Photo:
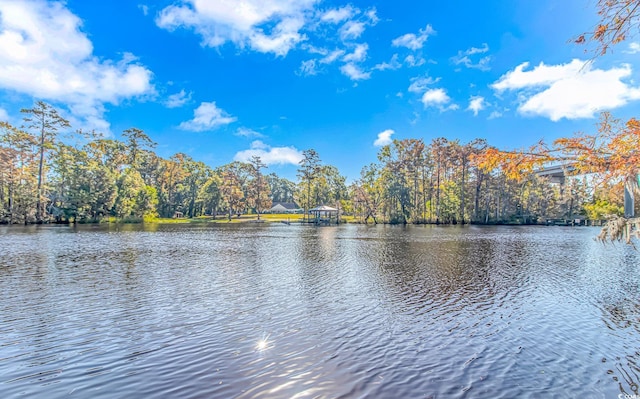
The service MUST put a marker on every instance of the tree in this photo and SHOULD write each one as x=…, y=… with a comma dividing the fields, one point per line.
x=83, y=187
x=17, y=173
x=400, y=172
x=146, y=203
x=231, y=188
x=137, y=141
x=170, y=177
x=611, y=156
x=282, y=190
x=367, y=193
x=210, y=195
x=307, y=173
x=109, y=153
x=45, y=120
x=197, y=174
x=336, y=184
x=440, y=155
x=619, y=21
x=258, y=187
x=135, y=199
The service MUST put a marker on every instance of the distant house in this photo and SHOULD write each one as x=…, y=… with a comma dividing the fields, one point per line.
x=285, y=207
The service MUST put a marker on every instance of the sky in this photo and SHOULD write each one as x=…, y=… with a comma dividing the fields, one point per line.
x=222, y=80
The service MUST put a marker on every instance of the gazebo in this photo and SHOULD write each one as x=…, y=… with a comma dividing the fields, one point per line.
x=324, y=214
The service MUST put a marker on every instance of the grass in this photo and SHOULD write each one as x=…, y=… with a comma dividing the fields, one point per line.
x=267, y=218
x=168, y=221
x=280, y=217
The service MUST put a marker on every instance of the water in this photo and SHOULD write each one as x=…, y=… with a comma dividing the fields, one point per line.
x=277, y=311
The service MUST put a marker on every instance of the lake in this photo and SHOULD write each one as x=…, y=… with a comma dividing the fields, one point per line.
x=291, y=311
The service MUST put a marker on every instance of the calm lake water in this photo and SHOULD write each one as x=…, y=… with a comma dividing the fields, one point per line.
x=277, y=311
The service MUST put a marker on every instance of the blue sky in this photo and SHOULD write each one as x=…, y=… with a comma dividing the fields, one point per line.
x=222, y=80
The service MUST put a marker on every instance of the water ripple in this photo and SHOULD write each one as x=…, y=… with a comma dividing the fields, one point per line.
x=271, y=311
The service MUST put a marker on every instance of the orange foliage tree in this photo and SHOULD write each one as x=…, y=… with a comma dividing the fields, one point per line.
x=619, y=20
x=611, y=155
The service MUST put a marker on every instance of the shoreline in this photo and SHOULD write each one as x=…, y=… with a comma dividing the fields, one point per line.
x=298, y=220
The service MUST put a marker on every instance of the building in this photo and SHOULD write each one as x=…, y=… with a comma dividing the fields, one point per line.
x=325, y=214
x=284, y=207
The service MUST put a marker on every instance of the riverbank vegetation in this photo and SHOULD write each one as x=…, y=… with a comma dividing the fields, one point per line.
x=49, y=174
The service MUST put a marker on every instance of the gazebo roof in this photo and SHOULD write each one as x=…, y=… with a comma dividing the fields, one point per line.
x=322, y=208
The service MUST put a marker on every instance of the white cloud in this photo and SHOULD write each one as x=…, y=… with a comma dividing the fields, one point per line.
x=44, y=54
x=477, y=50
x=372, y=14
x=354, y=22
x=270, y=155
x=392, y=64
x=308, y=68
x=384, y=138
x=354, y=72
x=482, y=64
x=338, y=15
x=144, y=8
x=542, y=75
x=332, y=56
x=177, y=100
x=573, y=90
x=413, y=41
x=351, y=30
x=4, y=116
x=464, y=58
x=476, y=104
x=358, y=55
x=241, y=23
x=421, y=83
x=314, y=66
x=246, y=132
x=207, y=117
x=634, y=48
x=437, y=98
x=311, y=49
x=413, y=61
x=495, y=115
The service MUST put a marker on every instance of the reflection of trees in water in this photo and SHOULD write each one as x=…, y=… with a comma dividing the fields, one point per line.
x=434, y=269
x=622, y=315
x=321, y=261
x=619, y=317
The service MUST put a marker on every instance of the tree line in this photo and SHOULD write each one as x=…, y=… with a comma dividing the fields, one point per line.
x=45, y=178
x=448, y=182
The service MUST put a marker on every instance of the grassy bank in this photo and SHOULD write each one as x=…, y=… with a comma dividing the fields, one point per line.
x=222, y=219
x=267, y=218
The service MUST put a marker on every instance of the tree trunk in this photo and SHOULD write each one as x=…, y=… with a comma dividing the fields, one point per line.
x=40, y=177
x=462, y=199
x=486, y=205
x=438, y=195
x=476, y=200
x=11, y=204
x=306, y=213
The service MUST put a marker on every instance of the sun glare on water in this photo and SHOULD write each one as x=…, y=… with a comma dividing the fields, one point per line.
x=263, y=343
